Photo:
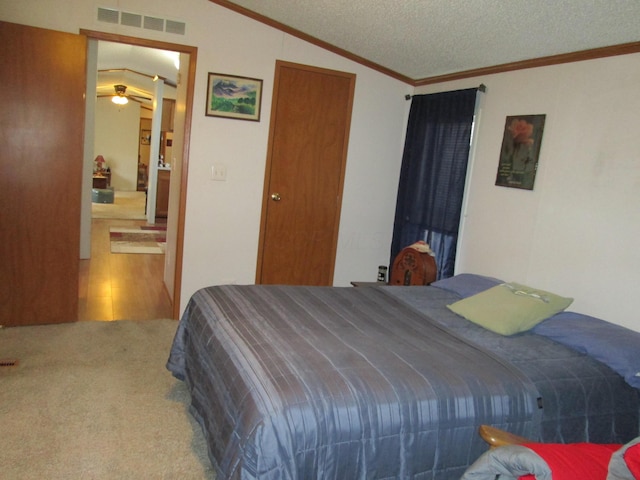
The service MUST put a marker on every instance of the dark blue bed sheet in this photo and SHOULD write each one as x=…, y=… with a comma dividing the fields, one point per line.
x=354, y=383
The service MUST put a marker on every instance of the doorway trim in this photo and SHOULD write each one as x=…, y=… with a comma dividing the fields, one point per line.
x=190, y=85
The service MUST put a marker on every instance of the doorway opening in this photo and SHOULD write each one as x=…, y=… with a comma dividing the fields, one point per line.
x=117, y=286
x=136, y=88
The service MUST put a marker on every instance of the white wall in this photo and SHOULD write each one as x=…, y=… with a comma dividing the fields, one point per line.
x=116, y=139
x=576, y=232
x=222, y=218
x=224, y=246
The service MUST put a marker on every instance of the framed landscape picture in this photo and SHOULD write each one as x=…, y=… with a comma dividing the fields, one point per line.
x=235, y=97
x=520, y=150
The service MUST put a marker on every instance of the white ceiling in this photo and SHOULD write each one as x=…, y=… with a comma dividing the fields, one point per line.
x=419, y=39
x=134, y=66
x=416, y=39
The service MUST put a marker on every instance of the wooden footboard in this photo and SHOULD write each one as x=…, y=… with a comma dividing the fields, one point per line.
x=497, y=438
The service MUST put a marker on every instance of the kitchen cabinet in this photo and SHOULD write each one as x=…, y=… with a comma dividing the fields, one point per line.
x=162, y=194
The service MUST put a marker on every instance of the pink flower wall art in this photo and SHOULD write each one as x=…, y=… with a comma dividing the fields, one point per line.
x=520, y=151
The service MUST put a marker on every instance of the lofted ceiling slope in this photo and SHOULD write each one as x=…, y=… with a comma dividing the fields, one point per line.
x=418, y=40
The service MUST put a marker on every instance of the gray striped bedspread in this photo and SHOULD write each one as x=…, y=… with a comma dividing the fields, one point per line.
x=293, y=382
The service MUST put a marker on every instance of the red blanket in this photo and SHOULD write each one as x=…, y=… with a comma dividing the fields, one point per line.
x=583, y=461
x=632, y=460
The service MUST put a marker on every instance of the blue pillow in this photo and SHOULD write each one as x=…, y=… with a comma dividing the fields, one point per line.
x=614, y=345
x=466, y=284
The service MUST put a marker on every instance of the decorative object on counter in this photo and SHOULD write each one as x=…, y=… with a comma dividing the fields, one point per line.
x=230, y=96
x=101, y=177
x=99, y=164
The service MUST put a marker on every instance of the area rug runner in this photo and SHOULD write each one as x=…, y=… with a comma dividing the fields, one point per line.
x=141, y=239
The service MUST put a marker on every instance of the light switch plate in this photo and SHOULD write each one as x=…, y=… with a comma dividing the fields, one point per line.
x=219, y=172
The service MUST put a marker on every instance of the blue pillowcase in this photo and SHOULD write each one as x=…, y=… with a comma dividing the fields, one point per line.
x=466, y=284
x=614, y=345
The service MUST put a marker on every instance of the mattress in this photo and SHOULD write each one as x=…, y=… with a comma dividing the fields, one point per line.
x=293, y=382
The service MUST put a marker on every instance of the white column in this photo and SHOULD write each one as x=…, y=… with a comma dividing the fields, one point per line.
x=154, y=151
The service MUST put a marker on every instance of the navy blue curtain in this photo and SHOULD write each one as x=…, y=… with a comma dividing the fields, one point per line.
x=432, y=177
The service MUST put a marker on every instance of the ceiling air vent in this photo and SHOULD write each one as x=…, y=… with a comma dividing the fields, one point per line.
x=108, y=15
x=154, y=23
x=175, y=27
x=131, y=19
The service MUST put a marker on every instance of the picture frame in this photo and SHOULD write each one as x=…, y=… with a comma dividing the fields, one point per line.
x=145, y=137
x=520, y=150
x=231, y=96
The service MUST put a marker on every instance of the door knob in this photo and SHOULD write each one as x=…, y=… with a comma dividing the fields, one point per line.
x=275, y=197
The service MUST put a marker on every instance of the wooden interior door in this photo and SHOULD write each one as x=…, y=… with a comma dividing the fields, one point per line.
x=42, y=97
x=308, y=139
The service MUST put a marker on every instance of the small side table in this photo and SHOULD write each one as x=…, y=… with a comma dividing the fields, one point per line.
x=100, y=182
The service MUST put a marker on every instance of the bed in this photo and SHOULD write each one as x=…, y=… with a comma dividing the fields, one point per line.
x=295, y=382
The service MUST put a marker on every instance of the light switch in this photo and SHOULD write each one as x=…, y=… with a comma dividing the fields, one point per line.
x=219, y=172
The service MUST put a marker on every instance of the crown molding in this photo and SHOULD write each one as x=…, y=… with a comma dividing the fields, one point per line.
x=622, y=49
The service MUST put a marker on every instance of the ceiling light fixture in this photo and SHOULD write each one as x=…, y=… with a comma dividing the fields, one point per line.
x=119, y=98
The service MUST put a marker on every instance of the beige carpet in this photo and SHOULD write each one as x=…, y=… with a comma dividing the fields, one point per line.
x=128, y=205
x=93, y=400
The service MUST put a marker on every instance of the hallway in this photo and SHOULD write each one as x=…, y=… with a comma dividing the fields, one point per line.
x=120, y=286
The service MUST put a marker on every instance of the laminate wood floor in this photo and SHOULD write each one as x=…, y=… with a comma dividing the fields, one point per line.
x=117, y=286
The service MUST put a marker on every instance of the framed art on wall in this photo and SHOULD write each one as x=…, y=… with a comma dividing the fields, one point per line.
x=235, y=97
x=145, y=137
x=520, y=150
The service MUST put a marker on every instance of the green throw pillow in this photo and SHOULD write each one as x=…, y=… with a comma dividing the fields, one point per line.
x=510, y=308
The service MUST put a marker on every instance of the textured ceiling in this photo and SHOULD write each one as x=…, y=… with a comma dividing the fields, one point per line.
x=419, y=39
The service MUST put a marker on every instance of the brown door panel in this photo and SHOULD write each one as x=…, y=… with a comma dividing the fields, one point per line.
x=42, y=96
x=307, y=154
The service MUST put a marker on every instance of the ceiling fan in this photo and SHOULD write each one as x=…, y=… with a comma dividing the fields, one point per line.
x=121, y=96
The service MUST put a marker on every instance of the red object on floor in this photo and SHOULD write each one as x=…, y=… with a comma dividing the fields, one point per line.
x=632, y=459
x=584, y=461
